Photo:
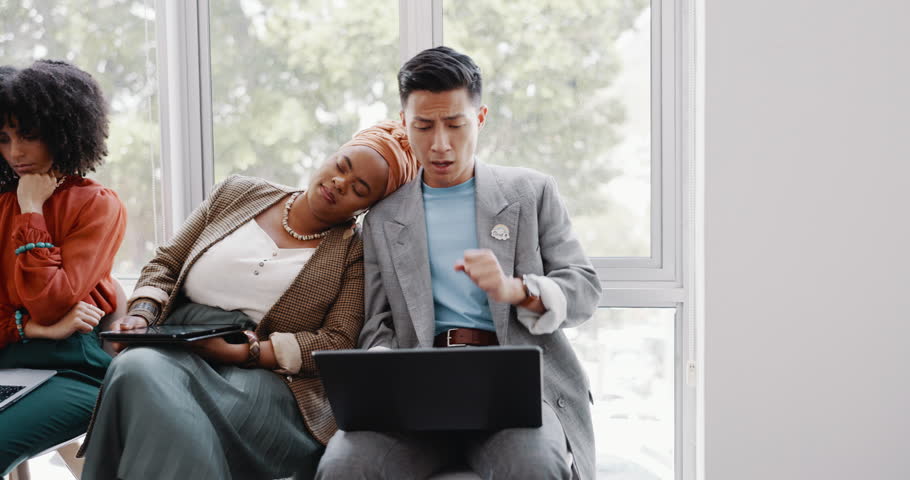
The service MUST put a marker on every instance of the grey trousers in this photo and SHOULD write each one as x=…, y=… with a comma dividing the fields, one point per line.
x=519, y=453
x=166, y=413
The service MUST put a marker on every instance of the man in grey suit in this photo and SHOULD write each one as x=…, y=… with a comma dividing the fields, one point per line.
x=474, y=254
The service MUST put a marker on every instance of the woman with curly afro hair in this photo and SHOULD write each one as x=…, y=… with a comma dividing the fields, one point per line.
x=60, y=232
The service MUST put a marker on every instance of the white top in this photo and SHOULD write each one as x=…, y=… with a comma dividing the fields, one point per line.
x=245, y=271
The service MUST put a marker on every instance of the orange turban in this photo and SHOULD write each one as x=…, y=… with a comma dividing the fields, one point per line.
x=390, y=140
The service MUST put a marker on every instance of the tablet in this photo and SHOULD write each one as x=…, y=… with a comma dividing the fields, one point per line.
x=170, y=333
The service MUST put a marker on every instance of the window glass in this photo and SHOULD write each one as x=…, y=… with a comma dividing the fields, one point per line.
x=294, y=80
x=568, y=85
x=115, y=42
x=629, y=356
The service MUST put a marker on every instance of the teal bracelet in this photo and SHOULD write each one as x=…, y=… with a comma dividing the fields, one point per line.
x=30, y=246
x=19, y=326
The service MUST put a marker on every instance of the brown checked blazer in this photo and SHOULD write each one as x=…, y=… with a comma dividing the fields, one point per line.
x=323, y=307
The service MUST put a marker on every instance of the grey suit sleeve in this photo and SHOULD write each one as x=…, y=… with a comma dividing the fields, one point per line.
x=564, y=260
x=378, y=330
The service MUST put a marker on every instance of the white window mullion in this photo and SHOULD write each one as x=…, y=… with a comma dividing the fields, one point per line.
x=672, y=94
x=205, y=98
x=180, y=106
x=661, y=118
x=437, y=23
x=420, y=26
x=690, y=55
x=695, y=250
x=685, y=403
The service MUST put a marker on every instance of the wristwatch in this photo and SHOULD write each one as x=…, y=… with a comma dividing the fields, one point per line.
x=253, y=356
x=532, y=290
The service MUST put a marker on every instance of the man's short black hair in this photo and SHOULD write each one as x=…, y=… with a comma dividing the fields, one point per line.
x=63, y=107
x=437, y=70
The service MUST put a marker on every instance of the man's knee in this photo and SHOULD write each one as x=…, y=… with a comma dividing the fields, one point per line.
x=532, y=465
x=524, y=453
x=381, y=455
x=338, y=467
x=341, y=459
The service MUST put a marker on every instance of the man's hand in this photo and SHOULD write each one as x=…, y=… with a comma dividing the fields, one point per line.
x=483, y=269
x=129, y=322
x=81, y=318
x=34, y=189
x=219, y=351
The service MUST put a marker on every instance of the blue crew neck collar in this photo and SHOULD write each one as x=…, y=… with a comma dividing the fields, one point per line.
x=461, y=187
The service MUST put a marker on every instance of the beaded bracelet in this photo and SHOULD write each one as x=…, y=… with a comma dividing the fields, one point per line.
x=20, y=327
x=29, y=246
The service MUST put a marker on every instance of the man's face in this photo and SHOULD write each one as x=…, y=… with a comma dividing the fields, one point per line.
x=442, y=129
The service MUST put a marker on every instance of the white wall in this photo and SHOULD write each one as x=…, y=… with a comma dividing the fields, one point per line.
x=807, y=213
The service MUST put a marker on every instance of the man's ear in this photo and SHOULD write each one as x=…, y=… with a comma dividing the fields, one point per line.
x=404, y=123
x=481, y=116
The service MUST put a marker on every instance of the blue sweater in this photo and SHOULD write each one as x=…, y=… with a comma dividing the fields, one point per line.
x=451, y=220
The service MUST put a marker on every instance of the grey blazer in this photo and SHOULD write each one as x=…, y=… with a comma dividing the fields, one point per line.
x=399, y=299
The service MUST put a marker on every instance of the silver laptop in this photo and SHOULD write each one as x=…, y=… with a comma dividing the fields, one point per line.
x=15, y=383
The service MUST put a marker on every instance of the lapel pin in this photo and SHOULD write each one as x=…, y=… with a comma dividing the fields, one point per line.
x=500, y=232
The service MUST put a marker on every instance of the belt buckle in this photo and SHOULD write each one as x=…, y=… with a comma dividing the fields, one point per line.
x=449, y=339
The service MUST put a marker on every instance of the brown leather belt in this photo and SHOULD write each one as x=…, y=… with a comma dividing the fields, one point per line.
x=464, y=337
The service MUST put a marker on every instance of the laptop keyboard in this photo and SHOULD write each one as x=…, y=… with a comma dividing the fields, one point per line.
x=7, y=391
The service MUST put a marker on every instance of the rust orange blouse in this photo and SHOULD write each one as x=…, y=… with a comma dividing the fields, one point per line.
x=85, y=222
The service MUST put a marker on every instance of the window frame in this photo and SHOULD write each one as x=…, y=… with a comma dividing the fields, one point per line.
x=185, y=106
x=669, y=277
x=186, y=126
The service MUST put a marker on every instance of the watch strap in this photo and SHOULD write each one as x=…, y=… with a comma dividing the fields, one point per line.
x=253, y=356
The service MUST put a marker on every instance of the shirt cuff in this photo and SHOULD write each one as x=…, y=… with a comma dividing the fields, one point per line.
x=152, y=293
x=553, y=299
x=287, y=353
x=30, y=228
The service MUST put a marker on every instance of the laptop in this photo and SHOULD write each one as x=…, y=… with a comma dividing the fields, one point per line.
x=174, y=334
x=472, y=388
x=15, y=383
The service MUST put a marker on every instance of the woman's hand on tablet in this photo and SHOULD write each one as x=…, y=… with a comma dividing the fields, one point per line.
x=128, y=322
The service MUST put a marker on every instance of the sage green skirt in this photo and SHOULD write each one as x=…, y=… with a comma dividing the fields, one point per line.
x=167, y=413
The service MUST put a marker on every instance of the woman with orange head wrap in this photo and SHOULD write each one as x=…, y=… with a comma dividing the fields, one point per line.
x=390, y=140
x=248, y=255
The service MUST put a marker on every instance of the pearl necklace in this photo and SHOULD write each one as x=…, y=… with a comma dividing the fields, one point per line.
x=291, y=232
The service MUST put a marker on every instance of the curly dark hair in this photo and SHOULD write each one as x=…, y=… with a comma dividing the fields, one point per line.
x=63, y=107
